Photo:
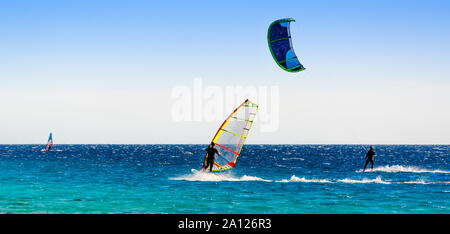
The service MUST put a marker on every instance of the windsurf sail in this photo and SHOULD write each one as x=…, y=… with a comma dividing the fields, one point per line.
x=49, y=142
x=280, y=44
x=231, y=136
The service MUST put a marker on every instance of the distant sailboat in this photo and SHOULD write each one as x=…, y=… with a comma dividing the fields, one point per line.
x=49, y=142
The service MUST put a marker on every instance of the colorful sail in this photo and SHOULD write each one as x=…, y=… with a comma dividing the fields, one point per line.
x=49, y=142
x=280, y=45
x=231, y=136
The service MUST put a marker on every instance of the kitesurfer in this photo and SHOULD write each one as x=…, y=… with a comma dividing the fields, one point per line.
x=211, y=151
x=369, y=157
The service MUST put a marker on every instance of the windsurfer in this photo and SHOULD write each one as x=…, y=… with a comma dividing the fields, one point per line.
x=211, y=151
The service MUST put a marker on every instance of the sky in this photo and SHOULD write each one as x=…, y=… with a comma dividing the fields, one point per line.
x=104, y=72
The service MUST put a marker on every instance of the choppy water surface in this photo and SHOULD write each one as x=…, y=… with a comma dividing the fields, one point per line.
x=267, y=179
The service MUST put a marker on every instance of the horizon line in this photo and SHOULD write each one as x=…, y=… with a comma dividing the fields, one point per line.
x=1, y=144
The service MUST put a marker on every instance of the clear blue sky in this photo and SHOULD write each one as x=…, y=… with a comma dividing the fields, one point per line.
x=79, y=49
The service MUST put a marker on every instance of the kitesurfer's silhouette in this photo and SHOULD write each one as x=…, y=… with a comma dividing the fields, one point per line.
x=369, y=157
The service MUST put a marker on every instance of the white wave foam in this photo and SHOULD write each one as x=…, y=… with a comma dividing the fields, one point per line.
x=301, y=159
x=217, y=177
x=419, y=181
x=304, y=180
x=377, y=180
x=399, y=168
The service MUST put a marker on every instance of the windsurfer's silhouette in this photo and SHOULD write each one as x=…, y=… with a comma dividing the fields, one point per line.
x=369, y=158
x=211, y=151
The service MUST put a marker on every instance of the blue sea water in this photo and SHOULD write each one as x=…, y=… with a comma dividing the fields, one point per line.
x=269, y=179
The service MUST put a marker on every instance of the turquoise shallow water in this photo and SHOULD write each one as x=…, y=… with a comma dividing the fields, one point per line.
x=267, y=179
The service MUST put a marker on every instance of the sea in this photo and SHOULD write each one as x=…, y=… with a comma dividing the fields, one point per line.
x=267, y=179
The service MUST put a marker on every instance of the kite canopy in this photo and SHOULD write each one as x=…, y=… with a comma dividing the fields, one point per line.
x=280, y=44
x=231, y=136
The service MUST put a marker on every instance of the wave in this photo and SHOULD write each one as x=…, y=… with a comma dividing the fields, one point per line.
x=399, y=168
x=301, y=159
x=419, y=181
x=303, y=179
x=377, y=180
x=346, y=180
x=216, y=177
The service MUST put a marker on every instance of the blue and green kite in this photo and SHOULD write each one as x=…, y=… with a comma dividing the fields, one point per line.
x=280, y=44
